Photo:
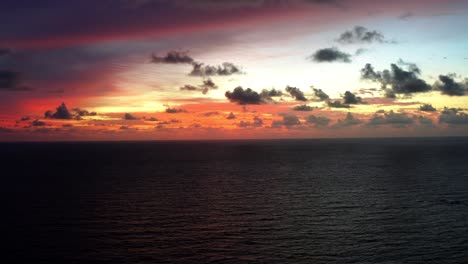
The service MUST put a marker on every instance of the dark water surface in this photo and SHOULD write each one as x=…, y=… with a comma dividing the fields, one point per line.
x=299, y=201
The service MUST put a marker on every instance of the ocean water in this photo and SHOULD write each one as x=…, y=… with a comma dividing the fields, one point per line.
x=272, y=201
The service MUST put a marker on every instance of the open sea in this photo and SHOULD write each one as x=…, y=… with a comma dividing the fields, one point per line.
x=259, y=201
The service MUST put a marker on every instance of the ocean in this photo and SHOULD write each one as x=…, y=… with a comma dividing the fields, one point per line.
x=257, y=201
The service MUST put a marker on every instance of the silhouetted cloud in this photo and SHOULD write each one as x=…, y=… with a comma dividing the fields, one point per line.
x=268, y=94
x=304, y=108
x=290, y=120
x=449, y=86
x=171, y=110
x=321, y=95
x=10, y=80
x=401, y=81
x=453, y=116
x=391, y=118
x=37, y=123
x=60, y=113
x=337, y=104
x=360, y=51
x=226, y=69
x=349, y=120
x=296, y=93
x=212, y=113
x=330, y=55
x=173, y=57
x=204, y=88
x=350, y=98
x=257, y=122
x=406, y=16
x=83, y=112
x=424, y=120
x=360, y=35
x=129, y=116
x=319, y=121
x=241, y=96
x=427, y=108
x=231, y=116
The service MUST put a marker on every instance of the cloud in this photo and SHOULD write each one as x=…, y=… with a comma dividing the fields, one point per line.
x=424, y=120
x=337, y=104
x=129, y=116
x=231, y=116
x=330, y=55
x=204, y=88
x=362, y=35
x=268, y=94
x=171, y=110
x=173, y=57
x=37, y=123
x=290, y=120
x=226, y=69
x=350, y=98
x=257, y=122
x=212, y=113
x=60, y=113
x=427, y=108
x=243, y=97
x=319, y=121
x=83, y=112
x=10, y=80
x=304, y=108
x=349, y=120
x=449, y=86
x=391, y=118
x=360, y=51
x=406, y=16
x=401, y=81
x=296, y=93
x=452, y=116
x=321, y=95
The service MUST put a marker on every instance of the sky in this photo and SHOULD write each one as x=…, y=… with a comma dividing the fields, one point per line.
x=245, y=69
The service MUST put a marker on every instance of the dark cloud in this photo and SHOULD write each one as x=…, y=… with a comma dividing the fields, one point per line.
x=453, y=116
x=204, y=88
x=304, y=108
x=268, y=94
x=350, y=120
x=424, y=120
x=243, y=97
x=129, y=116
x=401, y=81
x=226, y=69
x=60, y=113
x=350, y=98
x=10, y=80
x=449, y=86
x=360, y=35
x=124, y=128
x=321, y=95
x=173, y=57
x=330, y=55
x=391, y=118
x=37, y=123
x=212, y=113
x=83, y=112
x=290, y=120
x=257, y=122
x=319, y=121
x=171, y=110
x=296, y=93
x=427, y=108
x=231, y=116
x=337, y=104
